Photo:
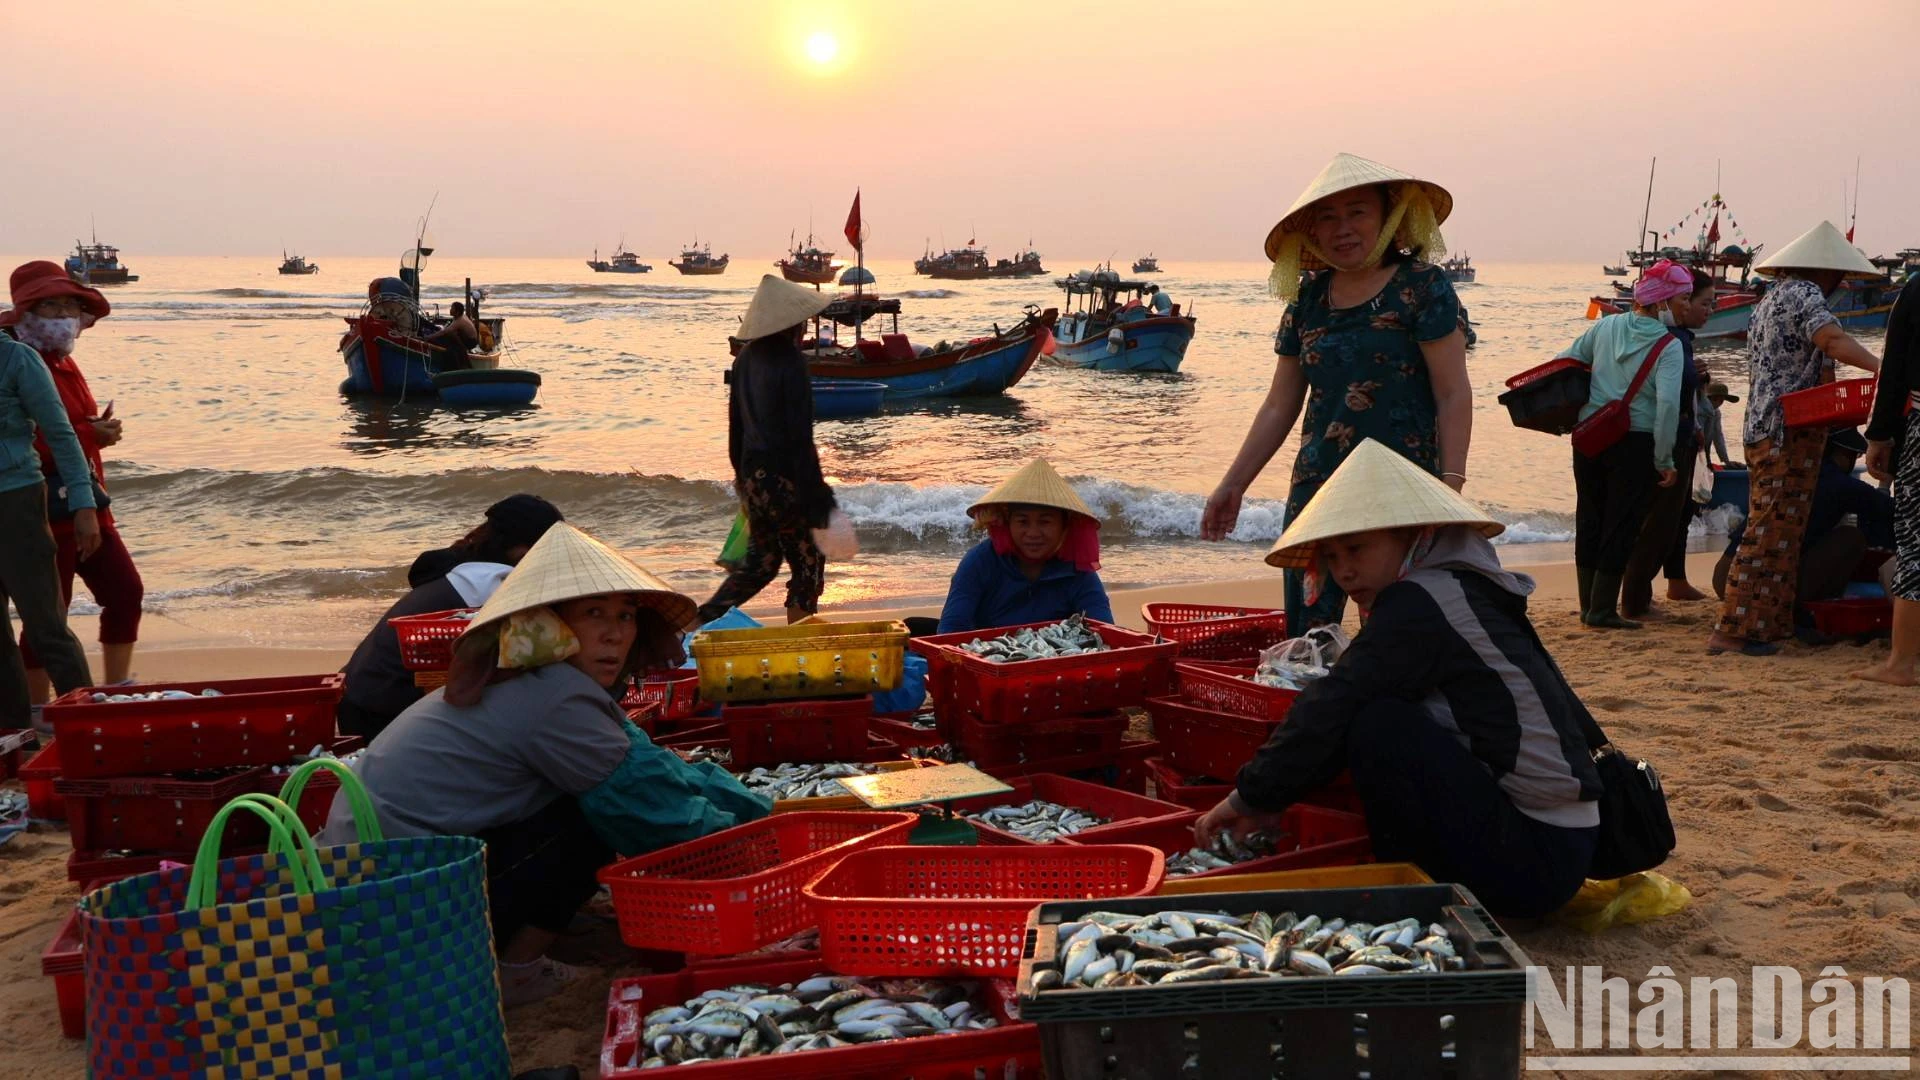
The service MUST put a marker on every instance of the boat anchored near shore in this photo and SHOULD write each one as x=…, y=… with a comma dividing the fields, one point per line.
x=1101, y=331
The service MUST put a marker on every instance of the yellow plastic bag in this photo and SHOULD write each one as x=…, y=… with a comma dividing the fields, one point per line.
x=1636, y=898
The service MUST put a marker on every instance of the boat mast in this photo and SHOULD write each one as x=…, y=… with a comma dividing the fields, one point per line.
x=1647, y=212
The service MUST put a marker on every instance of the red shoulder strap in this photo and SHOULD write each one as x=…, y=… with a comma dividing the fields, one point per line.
x=1646, y=367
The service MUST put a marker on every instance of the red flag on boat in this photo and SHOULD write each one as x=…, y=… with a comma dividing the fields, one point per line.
x=1713, y=233
x=1849, y=232
x=855, y=233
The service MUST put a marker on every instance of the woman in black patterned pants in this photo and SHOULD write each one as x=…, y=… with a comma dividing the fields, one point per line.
x=1894, y=432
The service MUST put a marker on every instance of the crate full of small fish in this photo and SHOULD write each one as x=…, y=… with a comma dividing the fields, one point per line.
x=1045, y=809
x=1305, y=837
x=1396, y=980
x=926, y=910
x=750, y=1022
x=1041, y=671
x=173, y=727
x=738, y=889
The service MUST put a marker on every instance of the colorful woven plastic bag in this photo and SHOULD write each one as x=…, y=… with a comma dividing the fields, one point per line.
x=372, y=959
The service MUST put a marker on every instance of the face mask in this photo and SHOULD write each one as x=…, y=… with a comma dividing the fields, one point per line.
x=54, y=337
x=1666, y=317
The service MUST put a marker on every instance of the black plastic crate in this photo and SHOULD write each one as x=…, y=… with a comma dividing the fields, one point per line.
x=1461, y=1024
x=1549, y=397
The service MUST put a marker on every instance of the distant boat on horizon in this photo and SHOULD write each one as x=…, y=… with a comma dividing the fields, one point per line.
x=700, y=260
x=621, y=261
x=97, y=264
x=295, y=264
x=1146, y=264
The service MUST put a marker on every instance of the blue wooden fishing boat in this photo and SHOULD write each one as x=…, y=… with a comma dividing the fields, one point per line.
x=982, y=366
x=837, y=399
x=1865, y=304
x=1102, y=331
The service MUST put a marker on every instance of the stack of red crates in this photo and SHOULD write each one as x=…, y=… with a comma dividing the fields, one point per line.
x=1216, y=719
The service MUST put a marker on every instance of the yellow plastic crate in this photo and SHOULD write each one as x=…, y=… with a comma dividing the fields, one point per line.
x=812, y=659
x=1329, y=877
x=849, y=801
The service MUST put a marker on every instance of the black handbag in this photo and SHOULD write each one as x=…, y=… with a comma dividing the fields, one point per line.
x=57, y=508
x=1636, y=832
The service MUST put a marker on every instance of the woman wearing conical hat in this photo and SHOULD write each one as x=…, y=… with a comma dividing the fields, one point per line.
x=776, y=469
x=1370, y=346
x=1793, y=343
x=1467, y=747
x=1039, y=562
x=526, y=749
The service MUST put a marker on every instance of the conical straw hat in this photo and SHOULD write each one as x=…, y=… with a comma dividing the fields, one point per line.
x=1822, y=247
x=1344, y=173
x=779, y=305
x=567, y=564
x=1036, y=484
x=1374, y=488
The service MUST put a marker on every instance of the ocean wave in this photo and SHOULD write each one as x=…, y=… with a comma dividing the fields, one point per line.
x=927, y=294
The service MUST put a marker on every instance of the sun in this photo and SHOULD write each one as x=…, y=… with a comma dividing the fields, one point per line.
x=822, y=47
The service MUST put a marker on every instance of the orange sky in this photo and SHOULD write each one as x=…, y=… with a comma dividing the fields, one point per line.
x=231, y=126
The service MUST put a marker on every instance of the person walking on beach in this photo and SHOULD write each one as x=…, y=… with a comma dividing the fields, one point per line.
x=1662, y=544
x=50, y=310
x=1893, y=454
x=1635, y=358
x=1370, y=346
x=1792, y=345
x=28, y=556
x=776, y=469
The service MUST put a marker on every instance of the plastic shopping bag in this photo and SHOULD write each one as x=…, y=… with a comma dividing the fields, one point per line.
x=1636, y=898
x=734, y=551
x=837, y=541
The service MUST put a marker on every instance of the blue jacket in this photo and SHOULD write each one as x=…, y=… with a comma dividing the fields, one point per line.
x=989, y=590
x=28, y=397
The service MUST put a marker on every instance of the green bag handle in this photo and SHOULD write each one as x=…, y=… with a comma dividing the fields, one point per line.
x=288, y=837
x=366, y=824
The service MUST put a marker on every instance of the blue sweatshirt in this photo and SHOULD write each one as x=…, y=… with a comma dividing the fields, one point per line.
x=28, y=397
x=989, y=590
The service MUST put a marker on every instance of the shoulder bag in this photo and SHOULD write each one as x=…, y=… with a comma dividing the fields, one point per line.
x=1610, y=422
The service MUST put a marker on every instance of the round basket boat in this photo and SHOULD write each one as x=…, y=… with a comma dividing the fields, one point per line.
x=498, y=386
x=847, y=397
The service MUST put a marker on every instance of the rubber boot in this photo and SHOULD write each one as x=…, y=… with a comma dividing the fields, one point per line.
x=1604, y=612
x=1584, y=575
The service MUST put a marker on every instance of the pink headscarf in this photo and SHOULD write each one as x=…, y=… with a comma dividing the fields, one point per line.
x=1081, y=547
x=1663, y=280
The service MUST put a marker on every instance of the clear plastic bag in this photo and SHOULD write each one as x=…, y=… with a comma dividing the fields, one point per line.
x=1636, y=898
x=837, y=541
x=1295, y=662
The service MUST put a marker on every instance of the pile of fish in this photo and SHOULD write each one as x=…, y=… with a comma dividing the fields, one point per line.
x=1225, y=852
x=802, y=781
x=153, y=695
x=1105, y=948
x=820, y=1013
x=719, y=755
x=1069, y=637
x=1039, y=821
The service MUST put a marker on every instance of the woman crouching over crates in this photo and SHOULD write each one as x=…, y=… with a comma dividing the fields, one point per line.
x=1465, y=742
x=1040, y=561
x=526, y=749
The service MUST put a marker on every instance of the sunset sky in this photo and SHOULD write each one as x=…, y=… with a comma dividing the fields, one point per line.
x=233, y=126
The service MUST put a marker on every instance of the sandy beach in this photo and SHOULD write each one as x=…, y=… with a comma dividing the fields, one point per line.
x=1795, y=791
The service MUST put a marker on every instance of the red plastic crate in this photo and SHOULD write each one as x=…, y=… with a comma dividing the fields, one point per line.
x=1004, y=744
x=1195, y=792
x=1123, y=768
x=1845, y=403
x=110, y=866
x=316, y=800
x=156, y=813
x=738, y=889
x=1134, y=668
x=1230, y=688
x=818, y=729
x=1311, y=837
x=15, y=747
x=64, y=960
x=1121, y=807
x=1008, y=1052
x=254, y=722
x=426, y=641
x=39, y=773
x=916, y=910
x=677, y=693
x=1205, y=741
x=1212, y=632
x=1851, y=618
x=903, y=734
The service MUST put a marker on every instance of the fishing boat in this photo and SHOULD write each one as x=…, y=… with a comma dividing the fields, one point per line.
x=1901, y=264
x=699, y=260
x=1103, y=331
x=1617, y=271
x=1146, y=264
x=808, y=264
x=1733, y=298
x=621, y=261
x=97, y=264
x=1459, y=270
x=387, y=353
x=1025, y=265
x=1865, y=304
x=295, y=264
x=957, y=264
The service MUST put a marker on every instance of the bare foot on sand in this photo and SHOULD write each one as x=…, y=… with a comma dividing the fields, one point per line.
x=1889, y=674
x=1718, y=643
x=1680, y=590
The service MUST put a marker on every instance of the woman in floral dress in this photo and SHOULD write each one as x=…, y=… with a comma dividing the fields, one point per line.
x=1370, y=347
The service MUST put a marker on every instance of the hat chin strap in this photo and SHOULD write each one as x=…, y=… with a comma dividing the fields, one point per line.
x=1411, y=221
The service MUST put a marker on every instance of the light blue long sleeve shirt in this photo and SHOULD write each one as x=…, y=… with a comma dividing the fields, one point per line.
x=1615, y=347
x=29, y=398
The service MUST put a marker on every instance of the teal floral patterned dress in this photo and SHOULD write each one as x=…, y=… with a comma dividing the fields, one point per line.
x=1366, y=379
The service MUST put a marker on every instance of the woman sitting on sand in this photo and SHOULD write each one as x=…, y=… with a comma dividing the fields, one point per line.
x=1463, y=738
x=1040, y=561
x=526, y=750
x=1371, y=346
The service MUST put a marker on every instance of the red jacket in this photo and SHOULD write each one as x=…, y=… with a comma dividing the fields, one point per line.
x=81, y=411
